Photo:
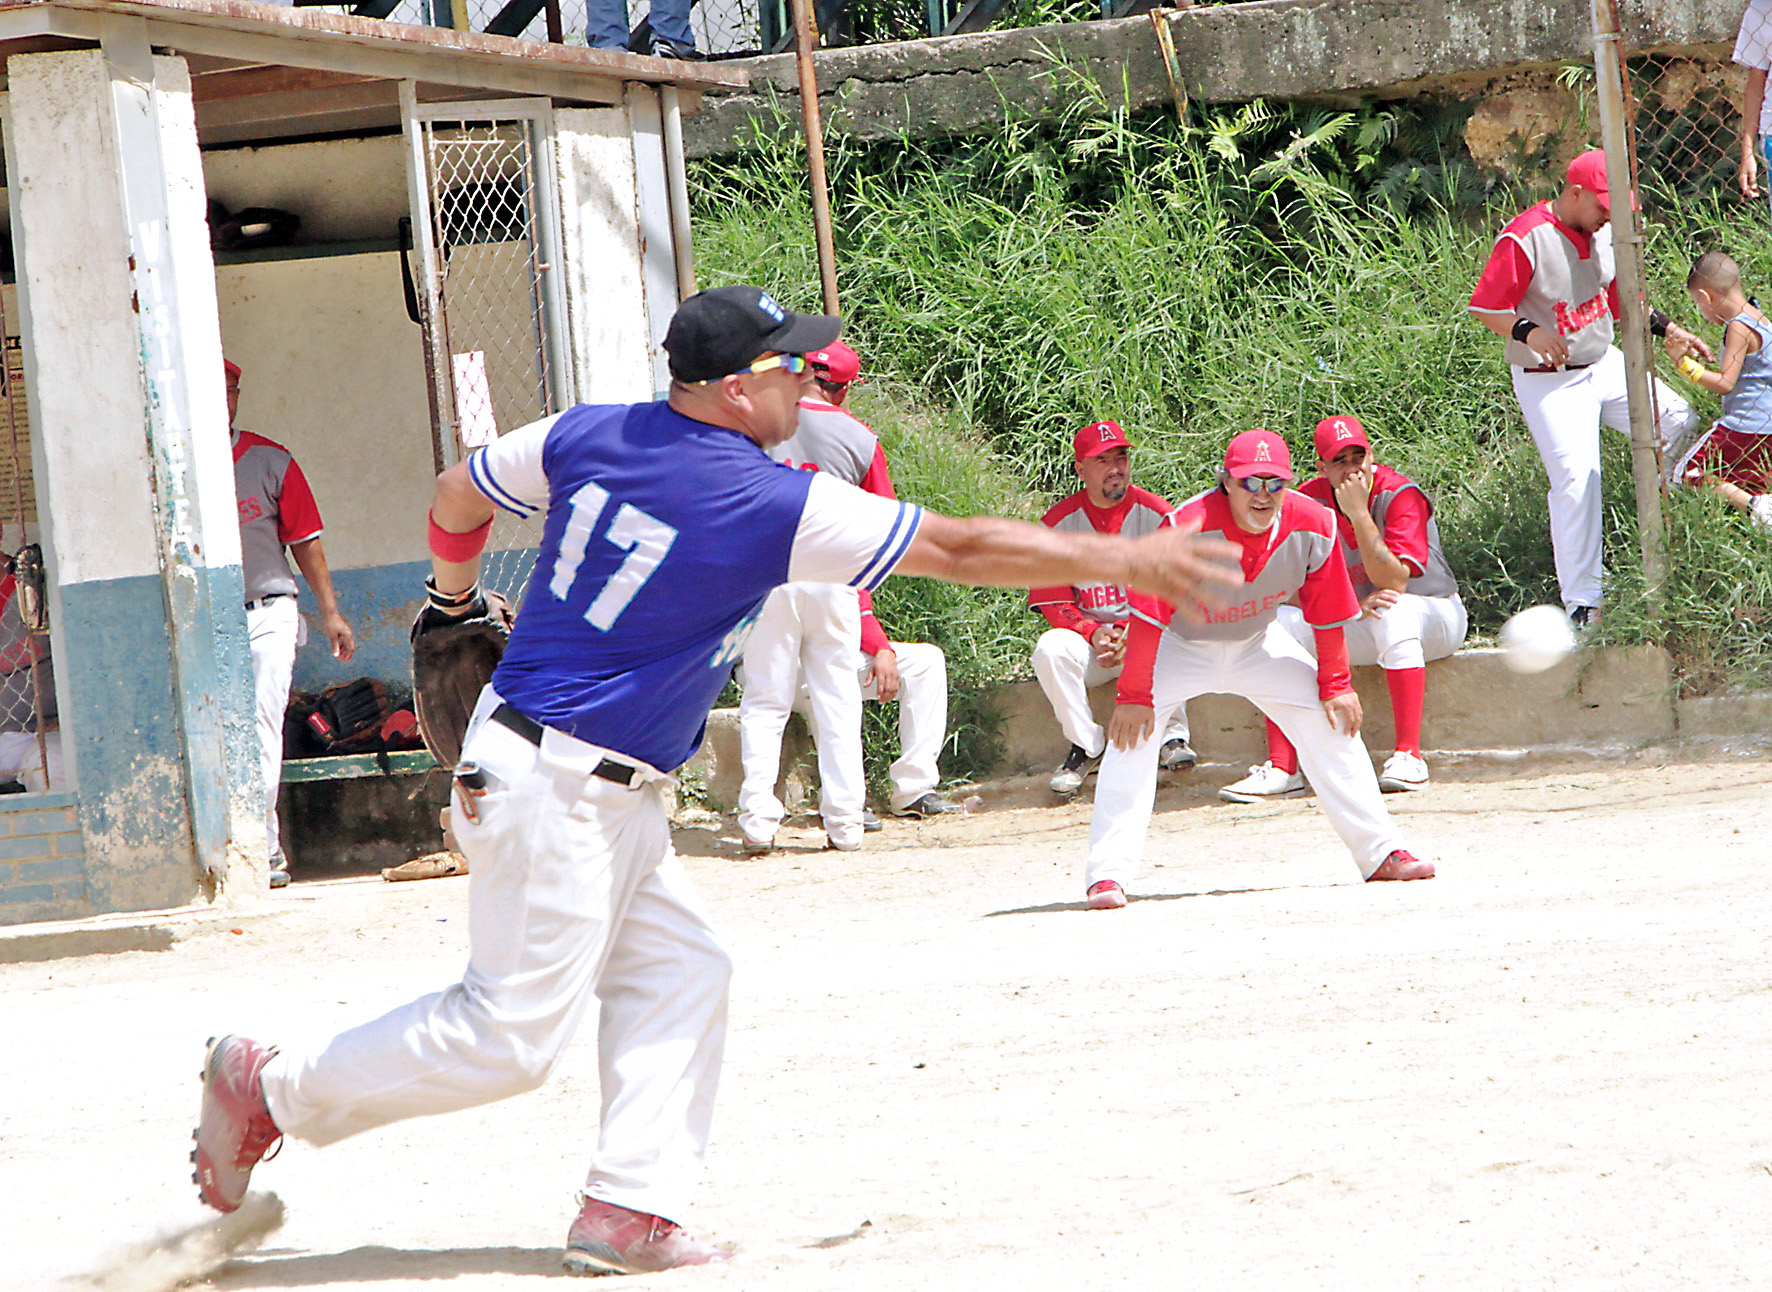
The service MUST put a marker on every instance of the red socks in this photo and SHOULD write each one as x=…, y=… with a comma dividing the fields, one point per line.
x=1279, y=749
x=1408, y=697
x=1408, y=693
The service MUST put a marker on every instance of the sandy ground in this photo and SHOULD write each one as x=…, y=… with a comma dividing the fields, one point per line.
x=1549, y=1067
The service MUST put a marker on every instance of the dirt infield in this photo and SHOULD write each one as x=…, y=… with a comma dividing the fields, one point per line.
x=1549, y=1067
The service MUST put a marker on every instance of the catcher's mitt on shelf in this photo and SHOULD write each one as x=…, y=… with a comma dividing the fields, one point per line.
x=452, y=660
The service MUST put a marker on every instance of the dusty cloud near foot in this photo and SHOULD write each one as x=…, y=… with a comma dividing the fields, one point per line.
x=183, y=1256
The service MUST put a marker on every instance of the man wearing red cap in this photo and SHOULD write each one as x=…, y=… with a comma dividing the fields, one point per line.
x=819, y=645
x=1289, y=553
x=1549, y=293
x=1410, y=610
x=277, y=513
x=1086, y=644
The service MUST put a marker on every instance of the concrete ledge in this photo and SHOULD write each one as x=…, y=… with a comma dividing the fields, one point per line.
x=1228, y=53
x=131, y=931
x=1595, y=704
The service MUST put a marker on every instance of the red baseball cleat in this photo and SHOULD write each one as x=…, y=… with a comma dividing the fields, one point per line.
x=607, y=1239
x=236, y=1129
x=1401, y=865
x=1106, y=896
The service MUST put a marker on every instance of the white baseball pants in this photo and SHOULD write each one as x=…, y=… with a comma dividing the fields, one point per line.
x=37, y=767
x=1064, y=662
x=1564, y=411
x=1408, y=635
x=922, y=718
x=574, y=892
x=274, y=630
x=815, y=629
x=1279, y=676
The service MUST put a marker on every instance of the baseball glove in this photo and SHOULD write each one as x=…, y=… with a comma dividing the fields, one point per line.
x=452, y=661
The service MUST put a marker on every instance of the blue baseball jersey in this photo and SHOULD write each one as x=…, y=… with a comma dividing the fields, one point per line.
x=663, y=536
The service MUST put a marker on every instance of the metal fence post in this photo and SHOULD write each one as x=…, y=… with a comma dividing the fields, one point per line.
x=1627, y=250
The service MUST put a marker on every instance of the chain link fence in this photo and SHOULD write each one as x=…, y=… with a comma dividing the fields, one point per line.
x=30, y=739
x=492, y=320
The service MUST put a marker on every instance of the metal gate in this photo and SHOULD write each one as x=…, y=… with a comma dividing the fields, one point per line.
x=488, y=294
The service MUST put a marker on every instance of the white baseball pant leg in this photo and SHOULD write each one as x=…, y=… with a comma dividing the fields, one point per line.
x=574, y=892
x=1408, y=635
x=1064, y=662
x=1279, y=676
x=922, y=718
x=273, y=631
x=811, y=630
x=1564, y=411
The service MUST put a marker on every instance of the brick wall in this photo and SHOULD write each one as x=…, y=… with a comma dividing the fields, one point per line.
x=42, y=859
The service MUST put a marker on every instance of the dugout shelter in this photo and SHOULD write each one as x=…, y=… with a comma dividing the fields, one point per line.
x=492, y=230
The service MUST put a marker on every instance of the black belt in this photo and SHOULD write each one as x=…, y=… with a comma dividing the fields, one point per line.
x=1551, y=367
x=267, y=599
x=622, y=774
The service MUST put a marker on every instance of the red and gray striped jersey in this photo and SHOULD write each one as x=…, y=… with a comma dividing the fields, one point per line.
x=1295, y=557
x=1084, y=605
x=276, y=508
x=1405, y=520
x=1561, y=279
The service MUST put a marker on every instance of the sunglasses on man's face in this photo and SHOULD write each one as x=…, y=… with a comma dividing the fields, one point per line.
x=1262, y=484
x=793, y=363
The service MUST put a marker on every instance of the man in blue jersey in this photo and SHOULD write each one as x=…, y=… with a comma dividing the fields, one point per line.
x=666, y=527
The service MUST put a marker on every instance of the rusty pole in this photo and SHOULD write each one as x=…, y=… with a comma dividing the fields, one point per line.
x=1633, y=332
x=805, y=38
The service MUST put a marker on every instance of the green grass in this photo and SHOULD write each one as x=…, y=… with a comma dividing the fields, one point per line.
x=1259, y=266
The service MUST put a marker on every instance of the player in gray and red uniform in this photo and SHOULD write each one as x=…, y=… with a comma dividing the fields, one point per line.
x=1289, y=550
x=825, y=635
x=277, y=511
x=1410, y=610
x=1086, y=644
x=1548, y=291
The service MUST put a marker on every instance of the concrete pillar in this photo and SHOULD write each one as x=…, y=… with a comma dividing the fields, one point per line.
x=123, y=367
x=608, y=336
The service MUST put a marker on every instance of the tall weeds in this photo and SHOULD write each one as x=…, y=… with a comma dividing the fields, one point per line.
x=1265, y=265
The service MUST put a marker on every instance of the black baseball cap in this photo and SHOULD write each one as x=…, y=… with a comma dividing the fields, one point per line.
x=717, y=332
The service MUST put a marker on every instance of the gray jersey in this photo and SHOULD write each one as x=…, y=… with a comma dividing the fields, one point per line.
x=831, y=441
x=1568, y=291
x=276, y=508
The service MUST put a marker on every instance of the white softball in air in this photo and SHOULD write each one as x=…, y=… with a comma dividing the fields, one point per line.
x=1536, y=639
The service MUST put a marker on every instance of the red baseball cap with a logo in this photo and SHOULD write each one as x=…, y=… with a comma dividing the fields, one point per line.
x=836, y=363
x=1589, y=171
x=1099, y=437
x=1335, y=433
x=1258, y=453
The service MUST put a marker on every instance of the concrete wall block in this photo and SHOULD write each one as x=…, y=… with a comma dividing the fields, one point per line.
x=69, y=844
x=52, y=821
x=28, y=848
x=64, y=868
x=1227, y=53
x=1725, y=715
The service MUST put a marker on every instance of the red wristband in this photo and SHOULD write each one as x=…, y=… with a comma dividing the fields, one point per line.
x=457, y=549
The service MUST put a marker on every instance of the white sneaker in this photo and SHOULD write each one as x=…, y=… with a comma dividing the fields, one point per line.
x=1068, y=779
x=1760, y=510
x=1264, y=782
x=1402, y=771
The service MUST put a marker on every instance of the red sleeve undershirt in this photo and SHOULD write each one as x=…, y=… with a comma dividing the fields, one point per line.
x=1334, y=677
x=878, y=480
x=1142, y=637
x=1505, y=278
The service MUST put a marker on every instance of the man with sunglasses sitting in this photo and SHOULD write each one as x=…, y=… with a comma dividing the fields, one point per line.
x=1410, y=610
x=1289, y=552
